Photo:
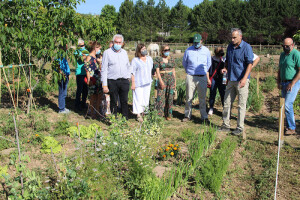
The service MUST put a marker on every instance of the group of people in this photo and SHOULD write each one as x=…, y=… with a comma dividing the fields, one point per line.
x=109, y=75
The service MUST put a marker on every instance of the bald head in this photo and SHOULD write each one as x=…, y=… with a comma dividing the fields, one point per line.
x=288, y=45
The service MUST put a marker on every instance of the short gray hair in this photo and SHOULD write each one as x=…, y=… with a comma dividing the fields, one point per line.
x=118, y=36
x=80, y=41
x=236, y=29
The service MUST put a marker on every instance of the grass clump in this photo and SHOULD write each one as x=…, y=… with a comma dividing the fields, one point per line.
x=269, y=84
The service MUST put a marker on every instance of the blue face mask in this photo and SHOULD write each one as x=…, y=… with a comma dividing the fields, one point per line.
x=167, y=53
x=98, y=52
x=197, y=45
x=117, y=47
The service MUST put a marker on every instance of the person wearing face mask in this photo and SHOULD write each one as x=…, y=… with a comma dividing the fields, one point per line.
x=238, y=65
x=141, y=80
x=196, y=62
x=116, y=72
x=288, y=80
x=82, y=89
x=93, y=78
x=165, y=71
x=216, y=78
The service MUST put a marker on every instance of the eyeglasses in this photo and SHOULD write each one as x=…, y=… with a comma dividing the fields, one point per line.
x=81, y=45
x=166, y=50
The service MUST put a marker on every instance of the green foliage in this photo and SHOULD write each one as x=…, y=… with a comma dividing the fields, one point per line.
x=49, y=142
x=153, y=123
x=3, y=171
x=213, y=170
x=255, y=101
x=84, y=132
x=169, y=151
x=39, y=122
x=297, y=105
x=61, y=127
x=269, y=84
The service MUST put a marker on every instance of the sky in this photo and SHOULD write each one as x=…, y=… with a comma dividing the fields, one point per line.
x=95, y=6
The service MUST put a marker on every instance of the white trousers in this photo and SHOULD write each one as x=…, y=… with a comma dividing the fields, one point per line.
x=194, y=83
x=141, y=97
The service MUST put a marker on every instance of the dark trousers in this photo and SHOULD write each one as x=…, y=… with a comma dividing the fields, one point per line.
x=62, y=93
x=119, y=87
x=216, y=85
x=82, y=89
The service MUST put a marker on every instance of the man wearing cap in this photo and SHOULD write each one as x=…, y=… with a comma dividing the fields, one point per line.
x=196, y=62
x=289, y=80
x=238, y=65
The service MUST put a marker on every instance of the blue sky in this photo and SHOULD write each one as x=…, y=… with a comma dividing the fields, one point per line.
x=95, y=6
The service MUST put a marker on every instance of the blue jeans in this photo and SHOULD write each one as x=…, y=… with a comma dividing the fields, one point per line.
x=290, y=97
x=216, y=84
x=62, y=93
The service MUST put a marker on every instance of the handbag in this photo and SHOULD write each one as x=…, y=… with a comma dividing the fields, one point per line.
x=210, y=78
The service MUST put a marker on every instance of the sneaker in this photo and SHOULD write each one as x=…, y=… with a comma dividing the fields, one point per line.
x=186, y=119
x=211, y=111
x=224, y=128
x=289, y=132
x=237, y=132
x=65, y=111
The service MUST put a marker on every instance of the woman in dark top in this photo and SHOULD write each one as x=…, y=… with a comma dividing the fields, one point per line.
x=216, y=81
x=92, y=67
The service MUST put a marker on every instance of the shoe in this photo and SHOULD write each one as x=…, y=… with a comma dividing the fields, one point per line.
x=168, y=118
x=237, y=132
x=224, y=128
x=186, y=119
x=211, y=111
x=289, y=132
x=65, y=111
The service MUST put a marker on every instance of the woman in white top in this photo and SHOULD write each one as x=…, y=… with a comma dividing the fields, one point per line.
x=141, y=80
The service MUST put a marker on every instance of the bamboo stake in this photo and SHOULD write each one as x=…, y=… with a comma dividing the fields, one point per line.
x=7, y=84
x=95, y=140
x=18, y=87
x=52, y=155
x=18, y=143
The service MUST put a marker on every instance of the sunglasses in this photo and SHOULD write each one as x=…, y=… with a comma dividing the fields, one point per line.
x=166, y=50
x=81, y=45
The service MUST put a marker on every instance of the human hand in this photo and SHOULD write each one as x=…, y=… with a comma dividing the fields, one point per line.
x=242, y=83
x=133, y=86
x=289, y=86
x=162, y=85
x=208, y=82
x=105, y=89
x=223, y=71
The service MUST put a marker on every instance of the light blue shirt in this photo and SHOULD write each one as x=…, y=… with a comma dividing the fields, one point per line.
x=115, y=65
x=142, y=71
x=196, y=61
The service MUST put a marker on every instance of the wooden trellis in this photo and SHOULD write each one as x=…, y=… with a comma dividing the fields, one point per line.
x=14, y=95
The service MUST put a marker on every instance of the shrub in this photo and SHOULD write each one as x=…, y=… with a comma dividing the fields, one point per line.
x=269, y=84
x=255, y=101
x=212, y=172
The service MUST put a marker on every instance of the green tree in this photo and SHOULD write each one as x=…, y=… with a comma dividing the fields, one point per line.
x=151, y=19
x=179, y=21
x=163, y=12
x=108, y=13
x=126, y=19
x=140, y=20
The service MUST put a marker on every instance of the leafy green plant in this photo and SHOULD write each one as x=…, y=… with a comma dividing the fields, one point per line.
x=269, y=84
x=48, y=143
x=213, y=170
x=83, y=131
x=3, y=171
x=255, y=100
x=61, y=127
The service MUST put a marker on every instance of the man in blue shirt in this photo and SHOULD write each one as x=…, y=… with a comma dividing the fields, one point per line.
x=238, y=65
x=196, y=62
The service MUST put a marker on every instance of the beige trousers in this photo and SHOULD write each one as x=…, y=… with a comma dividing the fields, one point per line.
x=193, y=83
x=233, y=90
